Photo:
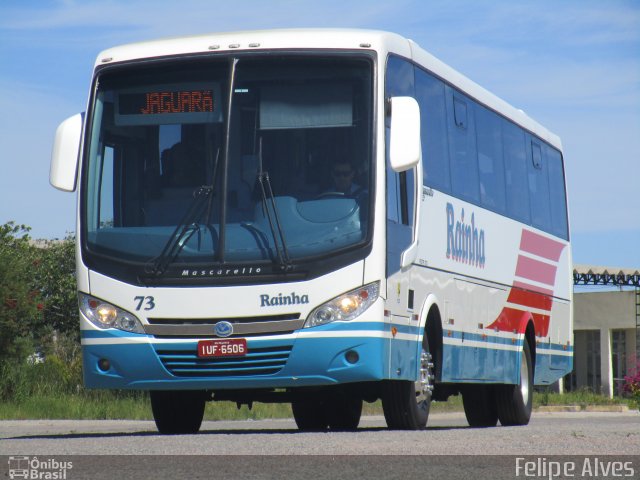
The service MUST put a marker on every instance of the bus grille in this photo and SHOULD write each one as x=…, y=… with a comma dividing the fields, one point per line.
x=258, y=361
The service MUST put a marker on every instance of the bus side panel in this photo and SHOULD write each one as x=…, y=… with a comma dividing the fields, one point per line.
x=554, y=358
x=492, y=275
x=463, y=364
x=404, y=348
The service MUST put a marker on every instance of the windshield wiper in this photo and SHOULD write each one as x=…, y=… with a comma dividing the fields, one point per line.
x=187, y=227
x=268, y=204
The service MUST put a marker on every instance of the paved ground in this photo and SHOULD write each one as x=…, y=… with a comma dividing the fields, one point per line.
x=267, y=446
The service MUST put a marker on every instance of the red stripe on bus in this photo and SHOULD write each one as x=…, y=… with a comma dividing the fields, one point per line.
x=530, y=299
x=541, y=324
x=536, y=270
x=511, y=320
x=533, y=288
x=542, y=246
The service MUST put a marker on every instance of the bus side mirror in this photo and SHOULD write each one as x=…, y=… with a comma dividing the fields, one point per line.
x=66, y=149
x=404, y=143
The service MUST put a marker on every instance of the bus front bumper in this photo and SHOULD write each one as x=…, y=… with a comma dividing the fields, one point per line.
x=327, y=355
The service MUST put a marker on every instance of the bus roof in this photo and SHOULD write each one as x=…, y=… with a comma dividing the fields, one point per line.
x=341, y=39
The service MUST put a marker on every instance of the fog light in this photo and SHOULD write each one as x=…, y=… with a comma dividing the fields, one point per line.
x=104, y=364
x=352, y=356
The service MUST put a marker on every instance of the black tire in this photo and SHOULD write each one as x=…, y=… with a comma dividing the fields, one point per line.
x=514, y=402
x=406, y=404
x=479, y=403
x=309, y=414
x=178, y=412
x=343, y=411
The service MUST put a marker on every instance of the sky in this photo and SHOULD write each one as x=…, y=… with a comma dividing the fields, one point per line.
x=572, y=65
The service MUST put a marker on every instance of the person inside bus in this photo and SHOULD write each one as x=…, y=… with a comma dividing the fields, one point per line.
x=343, y=174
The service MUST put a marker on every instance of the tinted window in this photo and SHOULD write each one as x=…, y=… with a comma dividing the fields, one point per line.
x=490, y=162
x=433, y=125
x=539, y=188
x=462, y=147
x=515, y=172
x=398, y=83
x=477, y=155
x=399, y=78
x=159, y=135
x=407, y=195
x=557, y=193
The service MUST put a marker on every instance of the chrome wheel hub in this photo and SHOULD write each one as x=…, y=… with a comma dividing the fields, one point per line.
x=524, y=380
x=424, y=385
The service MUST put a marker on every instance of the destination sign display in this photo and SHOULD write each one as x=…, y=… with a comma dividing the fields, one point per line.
x=153, y=103
x=169, y=104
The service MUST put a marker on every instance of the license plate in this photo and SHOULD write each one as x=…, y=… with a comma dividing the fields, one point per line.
x=229, y=347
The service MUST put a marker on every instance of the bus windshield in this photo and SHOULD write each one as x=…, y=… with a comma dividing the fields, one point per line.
x=218, y=160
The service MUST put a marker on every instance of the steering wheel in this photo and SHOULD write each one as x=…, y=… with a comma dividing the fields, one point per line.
x=329, y=195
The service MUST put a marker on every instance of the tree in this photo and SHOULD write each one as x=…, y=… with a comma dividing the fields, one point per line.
x=20, y=301
x=55, y=278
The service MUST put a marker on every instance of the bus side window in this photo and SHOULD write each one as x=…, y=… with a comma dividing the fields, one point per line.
x=538, y=188
x=393, y=196
x=107, y=185
x=490, y=159
x=515, y=172
x=462, y=147
x=407, y=197
x=399, y=81
x=430, y=95
x=557, y=193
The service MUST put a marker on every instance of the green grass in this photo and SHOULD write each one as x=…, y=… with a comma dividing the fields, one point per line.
x=582, y=397
x=102, y=405
x=79, y=407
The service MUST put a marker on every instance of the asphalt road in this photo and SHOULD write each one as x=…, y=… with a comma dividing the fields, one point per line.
x=448, y=448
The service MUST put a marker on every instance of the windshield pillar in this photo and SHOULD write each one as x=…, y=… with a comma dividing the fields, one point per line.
x=225, y=162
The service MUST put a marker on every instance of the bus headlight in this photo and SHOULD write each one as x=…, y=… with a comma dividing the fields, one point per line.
x=345, y=307
x=105, y=315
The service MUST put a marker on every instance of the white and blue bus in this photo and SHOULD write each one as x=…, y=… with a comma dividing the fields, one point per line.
x=319, y=217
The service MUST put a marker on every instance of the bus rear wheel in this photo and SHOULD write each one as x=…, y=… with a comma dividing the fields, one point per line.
x=406, y=404
x=178, y=412
x=480, y=405
x=514, y=402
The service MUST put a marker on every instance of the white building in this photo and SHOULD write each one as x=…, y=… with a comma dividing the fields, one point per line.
x=606, y=329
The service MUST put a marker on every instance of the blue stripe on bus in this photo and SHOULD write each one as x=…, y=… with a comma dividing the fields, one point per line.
x=555, y=346
x=461, y=363
x=471, y=364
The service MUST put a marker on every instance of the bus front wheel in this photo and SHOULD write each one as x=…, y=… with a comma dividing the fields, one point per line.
x=177, y=412
x=338, y=410
x=405, y=403
x=309, y=414
x=343, y=411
